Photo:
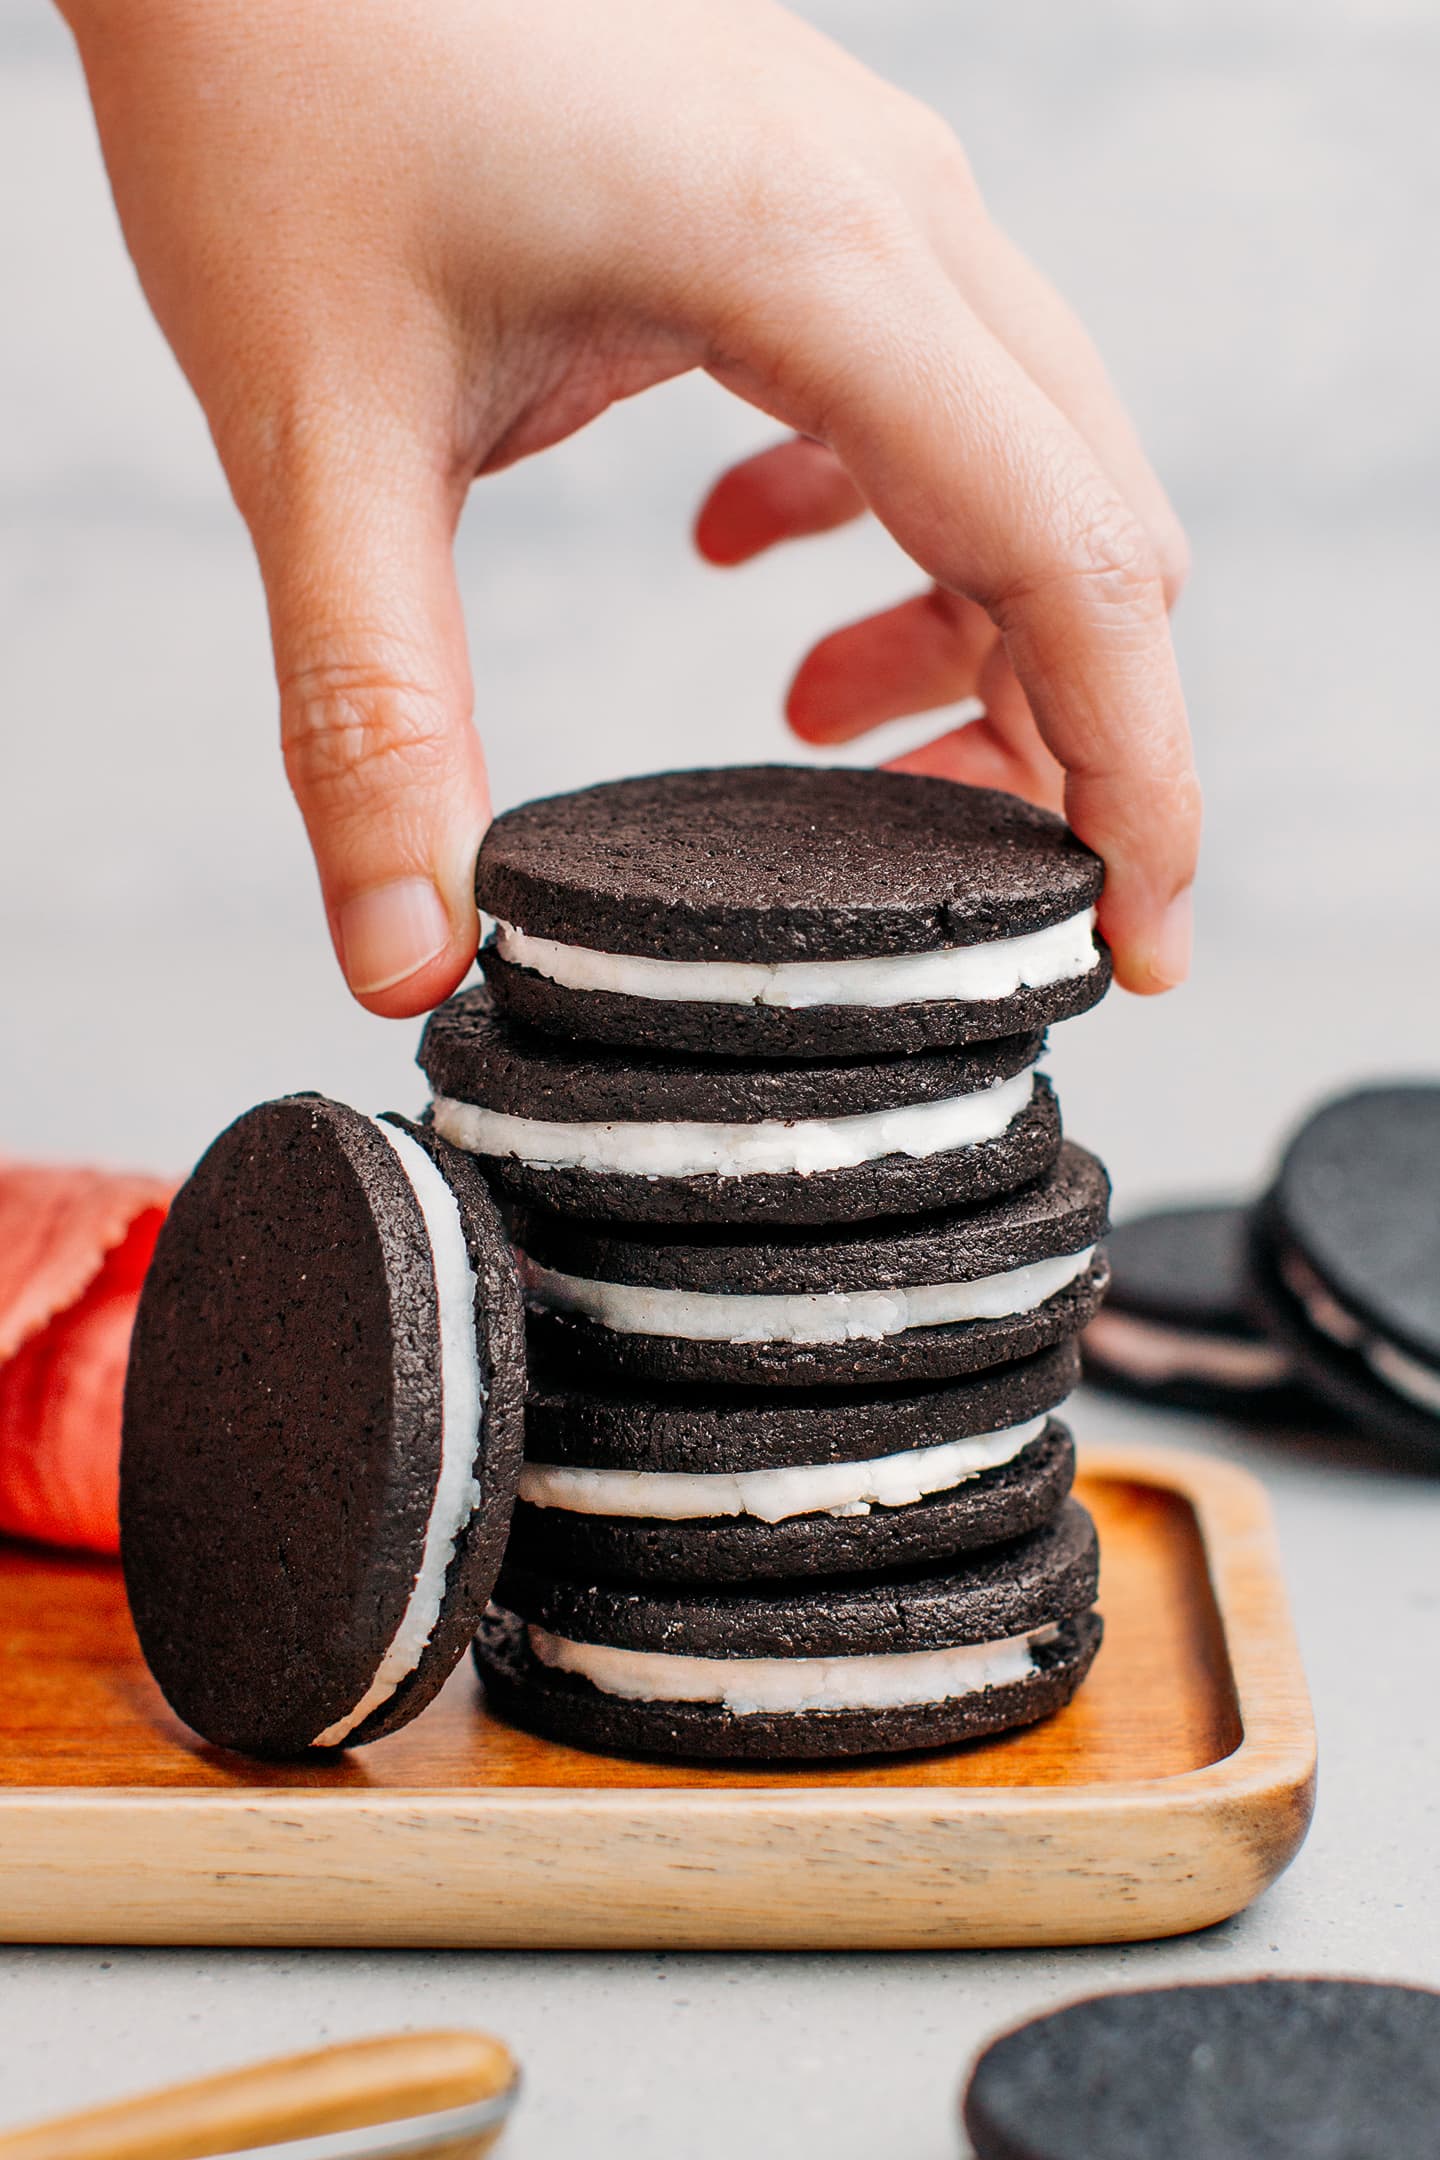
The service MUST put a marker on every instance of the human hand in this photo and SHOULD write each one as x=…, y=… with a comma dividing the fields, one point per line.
x=405, y=242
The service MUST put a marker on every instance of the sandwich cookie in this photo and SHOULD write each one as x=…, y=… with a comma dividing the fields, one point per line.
x=1242, y=2070
x=609, y=1134
x=735, y=1485
x=1182, y=1323
x=780, y=911
x=917, y=1660
x=928, y=1299
x=323, y=1428
x=1347, y=1258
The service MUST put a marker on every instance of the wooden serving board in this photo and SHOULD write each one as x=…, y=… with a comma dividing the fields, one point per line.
x=1172, y=1791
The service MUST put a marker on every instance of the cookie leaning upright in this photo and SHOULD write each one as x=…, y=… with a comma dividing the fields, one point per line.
x=789, y=912
x=323, y=1428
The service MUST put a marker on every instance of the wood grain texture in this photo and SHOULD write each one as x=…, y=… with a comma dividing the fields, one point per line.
x=1175, y=1787
x=351, y=2086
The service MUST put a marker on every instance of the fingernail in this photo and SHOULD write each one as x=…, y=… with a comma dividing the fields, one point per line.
x=1170, y=961
x=391, y=932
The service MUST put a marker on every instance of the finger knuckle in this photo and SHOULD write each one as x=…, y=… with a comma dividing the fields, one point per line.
x=801, y=199
x=852, y=217
x=1104, y=556
x=1111, y=550
x=350, y=730
x=830, y=244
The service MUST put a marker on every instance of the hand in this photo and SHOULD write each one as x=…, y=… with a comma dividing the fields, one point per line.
x=400, y=243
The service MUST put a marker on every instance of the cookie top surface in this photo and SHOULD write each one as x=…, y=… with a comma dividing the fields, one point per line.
x=1062, y=1213
x=989, y=1597
x=1358, y=1193
x=1185, y=1267
x=1247, y=2070
x=323, y=1428
x=701, y=1430
x=776, y=862
x=469, y=1052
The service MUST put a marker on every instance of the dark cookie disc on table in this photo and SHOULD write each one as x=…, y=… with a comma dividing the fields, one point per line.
x=1242, y=2070
x=976, y=1507
x=903, y=1302
x=848, y=1667
x=789, y=912
x=1347, y=1257
x=986, y=1462
x=323, y=1428
x=614, y=1134
x=1182, y=1323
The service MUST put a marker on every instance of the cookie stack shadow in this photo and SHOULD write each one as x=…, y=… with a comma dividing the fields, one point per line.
x=804, y=1282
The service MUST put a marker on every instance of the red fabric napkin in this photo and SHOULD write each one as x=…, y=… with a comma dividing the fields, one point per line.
x=74, y=1247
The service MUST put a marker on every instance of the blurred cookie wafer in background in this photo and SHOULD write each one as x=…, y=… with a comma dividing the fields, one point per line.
x=1182, y=1323
x=1346, y=1255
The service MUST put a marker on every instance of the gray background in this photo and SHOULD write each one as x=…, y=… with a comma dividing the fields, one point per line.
x=1239, y=198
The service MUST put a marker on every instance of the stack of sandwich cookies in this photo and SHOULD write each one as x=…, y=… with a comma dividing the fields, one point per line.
x=798, y=1325
x=804, y=1256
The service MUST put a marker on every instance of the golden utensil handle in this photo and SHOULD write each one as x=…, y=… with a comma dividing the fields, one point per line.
x=349, y=2087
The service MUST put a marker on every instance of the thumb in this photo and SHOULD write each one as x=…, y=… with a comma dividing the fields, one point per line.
x=375, y=711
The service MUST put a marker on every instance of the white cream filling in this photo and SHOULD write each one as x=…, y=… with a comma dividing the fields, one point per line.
x=828, y=1316
x=462, y=1394
x=1396, y=1369
x=846, y=1488
x=1322, y=1310
x=1145, y=1350
x=769, y=1146
x=1416, y=1382
x=885, y=1680
x=971, y=973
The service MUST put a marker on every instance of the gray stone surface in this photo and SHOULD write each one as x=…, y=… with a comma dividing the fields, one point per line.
x=1237, y=198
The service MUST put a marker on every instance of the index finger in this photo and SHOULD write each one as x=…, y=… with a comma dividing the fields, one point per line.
x=991, y=490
